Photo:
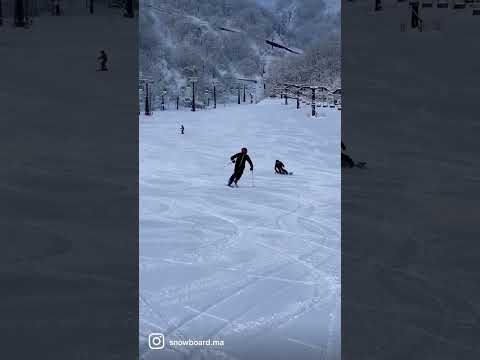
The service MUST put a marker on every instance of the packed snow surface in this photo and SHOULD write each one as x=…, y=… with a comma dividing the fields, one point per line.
x=257, y=267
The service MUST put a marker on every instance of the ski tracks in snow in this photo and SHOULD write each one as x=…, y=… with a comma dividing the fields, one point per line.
x=249, y=262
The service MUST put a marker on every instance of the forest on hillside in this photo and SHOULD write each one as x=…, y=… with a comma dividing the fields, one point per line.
x=183, y=38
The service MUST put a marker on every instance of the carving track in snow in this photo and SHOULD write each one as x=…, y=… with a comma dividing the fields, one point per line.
x=251, y=266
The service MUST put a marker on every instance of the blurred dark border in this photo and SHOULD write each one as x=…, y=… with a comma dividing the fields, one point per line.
x=410, y=249
x=68, y=181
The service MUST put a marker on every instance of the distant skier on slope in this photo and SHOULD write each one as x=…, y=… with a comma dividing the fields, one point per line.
x=182, y=130
x=280, y=168
x=239, y=160
x=103, y=60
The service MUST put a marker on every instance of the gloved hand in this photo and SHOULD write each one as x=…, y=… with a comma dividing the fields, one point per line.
x=233, y=161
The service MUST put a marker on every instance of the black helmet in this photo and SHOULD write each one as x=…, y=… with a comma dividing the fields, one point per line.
x=244, y=150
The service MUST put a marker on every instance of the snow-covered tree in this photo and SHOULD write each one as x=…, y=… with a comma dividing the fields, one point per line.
x=182, y=34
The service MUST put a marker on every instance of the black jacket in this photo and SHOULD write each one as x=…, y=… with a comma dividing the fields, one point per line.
x=279, y=166
x=240, y=160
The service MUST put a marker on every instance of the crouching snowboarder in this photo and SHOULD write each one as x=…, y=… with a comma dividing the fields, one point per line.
x=239, y=160
x=280, y=168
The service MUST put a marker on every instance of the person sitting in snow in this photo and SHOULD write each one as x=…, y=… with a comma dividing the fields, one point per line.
x=239, y=160
x=280, y=168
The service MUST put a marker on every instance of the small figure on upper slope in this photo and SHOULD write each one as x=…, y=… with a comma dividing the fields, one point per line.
x=103, y=60
x=239, y=160
x=280, y=168
x=182, y=130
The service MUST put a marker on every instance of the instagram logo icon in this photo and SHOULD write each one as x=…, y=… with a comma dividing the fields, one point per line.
x=156, y=341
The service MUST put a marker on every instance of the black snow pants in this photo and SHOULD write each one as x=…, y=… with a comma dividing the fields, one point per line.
x=236, y=175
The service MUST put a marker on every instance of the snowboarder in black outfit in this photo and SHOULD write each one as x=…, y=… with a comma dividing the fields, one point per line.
x=280, y=168
x=182, y=130
x=239, y=160
x=103, y=60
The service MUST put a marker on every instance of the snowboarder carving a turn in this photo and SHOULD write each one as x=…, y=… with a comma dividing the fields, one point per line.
x=239, y=160
x=280, y=168
x=103, y=60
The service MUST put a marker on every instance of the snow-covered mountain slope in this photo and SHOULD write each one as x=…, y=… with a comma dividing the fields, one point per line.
x=179, y=36
x=257, y=266
x=315, y=26
x=309, y=20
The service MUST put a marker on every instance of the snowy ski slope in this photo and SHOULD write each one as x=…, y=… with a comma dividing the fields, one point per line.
x=257, y=267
